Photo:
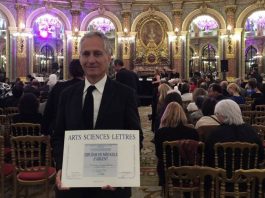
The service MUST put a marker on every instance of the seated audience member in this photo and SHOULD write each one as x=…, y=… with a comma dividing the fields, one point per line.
x=193, y=84
x=234, y=91
x=12, y=101
x=172, y=127
x=204, y=86
x=185, y=94
x=224, y=85
x=208, y=117
x=252, y=90
x=172, y=96
x=197, y=92
x=215, y=90
x=239, y=84
x=231, y=129
x=28, y=110
x=162, y=93
x=33, y=87
x=196, y=115
x=52, y=81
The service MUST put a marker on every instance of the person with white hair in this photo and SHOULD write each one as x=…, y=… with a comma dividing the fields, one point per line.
x=231, y=129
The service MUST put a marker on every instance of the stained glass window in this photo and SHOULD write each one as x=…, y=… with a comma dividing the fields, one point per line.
x=103, y=25
x=204, y=23
x=255, y=22
x=2, y=25
x=48, y=26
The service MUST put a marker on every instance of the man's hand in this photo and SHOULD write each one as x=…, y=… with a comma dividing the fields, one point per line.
x=58, y=181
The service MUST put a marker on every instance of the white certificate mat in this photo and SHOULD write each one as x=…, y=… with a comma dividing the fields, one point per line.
x=96, y=158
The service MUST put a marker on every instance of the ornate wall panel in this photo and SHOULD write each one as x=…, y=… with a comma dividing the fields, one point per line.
x=152, y=46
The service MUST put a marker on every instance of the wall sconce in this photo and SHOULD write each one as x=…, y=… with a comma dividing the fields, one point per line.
x=76, y=37
x=22, y=35
x=229, y=39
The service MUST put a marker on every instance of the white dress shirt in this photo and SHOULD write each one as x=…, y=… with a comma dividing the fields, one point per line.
x=97, y=95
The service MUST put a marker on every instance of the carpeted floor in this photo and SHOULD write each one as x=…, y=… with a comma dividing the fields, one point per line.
x=149, y=179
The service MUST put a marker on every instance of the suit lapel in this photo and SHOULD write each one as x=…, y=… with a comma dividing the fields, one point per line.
x=105, y=102
x=79, y=102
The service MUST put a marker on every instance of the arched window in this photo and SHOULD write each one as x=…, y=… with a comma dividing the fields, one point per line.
x=49, y=29
x=203, y=25
x=106, y=26
x=46, y=59
x=208, y=59
x=3, y=27
x=250, y=60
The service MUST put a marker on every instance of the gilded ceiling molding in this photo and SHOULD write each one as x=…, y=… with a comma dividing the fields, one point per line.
x=10, y=18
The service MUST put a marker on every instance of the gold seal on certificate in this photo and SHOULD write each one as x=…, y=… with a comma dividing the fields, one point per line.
x=96, y=158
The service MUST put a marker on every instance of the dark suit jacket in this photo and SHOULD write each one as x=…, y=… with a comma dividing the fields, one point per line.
x=128, y=78
x=118, y=110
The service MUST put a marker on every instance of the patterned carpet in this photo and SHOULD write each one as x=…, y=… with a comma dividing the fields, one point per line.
x=149, y=179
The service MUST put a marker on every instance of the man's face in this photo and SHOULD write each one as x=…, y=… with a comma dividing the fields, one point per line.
x=94, y=59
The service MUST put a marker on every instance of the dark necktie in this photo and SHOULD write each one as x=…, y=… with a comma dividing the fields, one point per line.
x=88, y=108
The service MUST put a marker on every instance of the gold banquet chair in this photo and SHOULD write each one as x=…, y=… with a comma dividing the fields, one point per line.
x=232, y=156
x=192, y=180
x=31, y=157
x=254, y=180
x=9, y=110
x=260, y=108
x=182, y=153
x=19, y=129
x=6, y=169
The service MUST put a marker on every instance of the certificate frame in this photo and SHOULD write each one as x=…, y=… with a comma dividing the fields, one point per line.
x=96, y=158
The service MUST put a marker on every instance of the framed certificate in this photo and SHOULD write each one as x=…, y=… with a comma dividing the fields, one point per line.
x=96, y=158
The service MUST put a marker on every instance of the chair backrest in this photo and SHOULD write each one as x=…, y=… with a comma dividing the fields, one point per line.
x=245, y=107
x=251, y=115
x=205, y=130
x=183, y=152
x=260, y=130
x=19, y=129
x=253, y=178
x=9, y=110
x=191, y=179
x=31, y=153
x=260, y=107
x=235, y=155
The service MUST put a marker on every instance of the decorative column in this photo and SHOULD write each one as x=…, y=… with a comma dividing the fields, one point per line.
x=230, y=44
x=177, y=47
x=75, y=33
x=126, y=44
x=21, y=42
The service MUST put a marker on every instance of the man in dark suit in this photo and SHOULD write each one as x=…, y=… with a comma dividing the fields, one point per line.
x=126, y=76
x=114, y=107
x=49, y=116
